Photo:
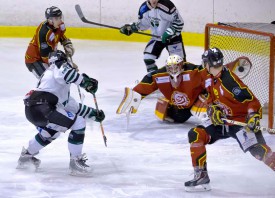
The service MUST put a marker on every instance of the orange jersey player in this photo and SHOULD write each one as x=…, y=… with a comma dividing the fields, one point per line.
x=229, y=98
x=47, y=36
x=179, y=82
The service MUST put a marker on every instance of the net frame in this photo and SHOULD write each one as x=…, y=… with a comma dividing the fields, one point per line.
x=241, y=33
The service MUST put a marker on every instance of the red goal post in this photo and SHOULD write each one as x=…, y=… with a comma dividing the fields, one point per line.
x=255, y=41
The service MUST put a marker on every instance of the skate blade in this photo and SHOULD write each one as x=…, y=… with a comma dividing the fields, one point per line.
x=28, y=166
x=80, y=174
x=199, y=188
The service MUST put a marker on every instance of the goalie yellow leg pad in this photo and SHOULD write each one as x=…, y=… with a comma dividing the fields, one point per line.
x=161, y=108
x=199, y=109
x=130, y=102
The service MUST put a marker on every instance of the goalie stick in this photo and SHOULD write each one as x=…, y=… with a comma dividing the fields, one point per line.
x=82, y=17
x=269, y=130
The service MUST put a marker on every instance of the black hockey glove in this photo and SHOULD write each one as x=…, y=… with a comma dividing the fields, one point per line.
x=128, y=29
x=253, y=120
x=97, y=116
x=215, y=114
x=89, y=84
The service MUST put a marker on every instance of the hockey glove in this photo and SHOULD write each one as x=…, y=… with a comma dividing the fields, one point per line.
x=215, y=114
x=128, y=29
x=167, y=35
x=97, y=116
x=253, y=120
x=89, y=84
x=68, y=47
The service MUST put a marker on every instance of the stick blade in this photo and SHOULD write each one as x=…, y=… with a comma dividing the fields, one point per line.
x=79, y=12
x=105, y=140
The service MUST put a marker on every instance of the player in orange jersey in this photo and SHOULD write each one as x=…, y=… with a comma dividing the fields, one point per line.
x=228, y=98
x=45, y=40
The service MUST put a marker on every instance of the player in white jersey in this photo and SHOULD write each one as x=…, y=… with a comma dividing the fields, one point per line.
x=164, y=20
x=51, y=109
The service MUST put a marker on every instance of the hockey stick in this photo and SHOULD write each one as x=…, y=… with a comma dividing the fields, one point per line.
x=82, y=17
x=81, y=96
x=269, y=130
x=101, y=126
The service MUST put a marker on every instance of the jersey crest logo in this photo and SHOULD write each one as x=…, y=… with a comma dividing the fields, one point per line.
x=180, y=99
x=236, y=90
x=154, y=21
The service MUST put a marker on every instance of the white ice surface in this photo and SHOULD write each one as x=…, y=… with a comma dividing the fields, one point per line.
x=151, y=159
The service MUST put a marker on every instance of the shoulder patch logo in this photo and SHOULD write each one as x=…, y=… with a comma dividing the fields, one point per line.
x=236, y=91
x=44, y=45
x=185, y=77
x=163, y=79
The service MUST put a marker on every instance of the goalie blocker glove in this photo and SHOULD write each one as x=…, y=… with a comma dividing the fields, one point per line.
x=89, y=84
x=130, y=102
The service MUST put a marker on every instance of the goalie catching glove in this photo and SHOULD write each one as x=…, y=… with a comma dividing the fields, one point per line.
x=68, y=47
x=215, y=114
x=128, y=29
x=130, y=102
x=253, y=120
x=89, y=84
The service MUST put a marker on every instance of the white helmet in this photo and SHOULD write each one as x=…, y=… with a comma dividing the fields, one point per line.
x=174, y=66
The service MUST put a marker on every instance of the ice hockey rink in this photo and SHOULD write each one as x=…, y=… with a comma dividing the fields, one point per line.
x=150, y=159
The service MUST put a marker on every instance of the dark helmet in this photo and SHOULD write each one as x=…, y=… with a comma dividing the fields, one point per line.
x=53, y=12
x=58, y=58
x=213, y=57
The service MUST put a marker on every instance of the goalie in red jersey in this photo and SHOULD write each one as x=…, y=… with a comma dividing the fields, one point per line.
x=180, y=83
x=228, y=98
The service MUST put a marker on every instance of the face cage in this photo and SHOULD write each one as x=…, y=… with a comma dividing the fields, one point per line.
x=174, y=70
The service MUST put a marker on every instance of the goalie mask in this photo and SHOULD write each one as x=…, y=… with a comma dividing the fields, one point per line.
x=58, y=58
x=213, y=57
x=174, y=66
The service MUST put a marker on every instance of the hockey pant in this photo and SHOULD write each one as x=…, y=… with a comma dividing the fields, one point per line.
x=50, y=122
x=200, y=136
x=154, y=48
x=178, y=115
x=37, y=68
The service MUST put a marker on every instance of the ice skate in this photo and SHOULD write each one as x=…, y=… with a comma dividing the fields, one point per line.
x=26, y=159
x=200, y=182
x=78, y=166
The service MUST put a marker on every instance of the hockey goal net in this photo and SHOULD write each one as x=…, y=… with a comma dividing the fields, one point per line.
x=257, y=42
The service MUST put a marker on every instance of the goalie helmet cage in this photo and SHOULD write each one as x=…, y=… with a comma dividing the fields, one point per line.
x=257, y=42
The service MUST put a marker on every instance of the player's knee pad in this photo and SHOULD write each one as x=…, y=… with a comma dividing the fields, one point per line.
x=76, y=136
x=161, y=109
x=259, y=151
x=46, y=135
x=79, y=123
x=150, y=64
x=198, y=135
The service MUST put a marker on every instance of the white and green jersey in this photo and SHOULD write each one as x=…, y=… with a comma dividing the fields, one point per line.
x=158, y=19
x=58, y=81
